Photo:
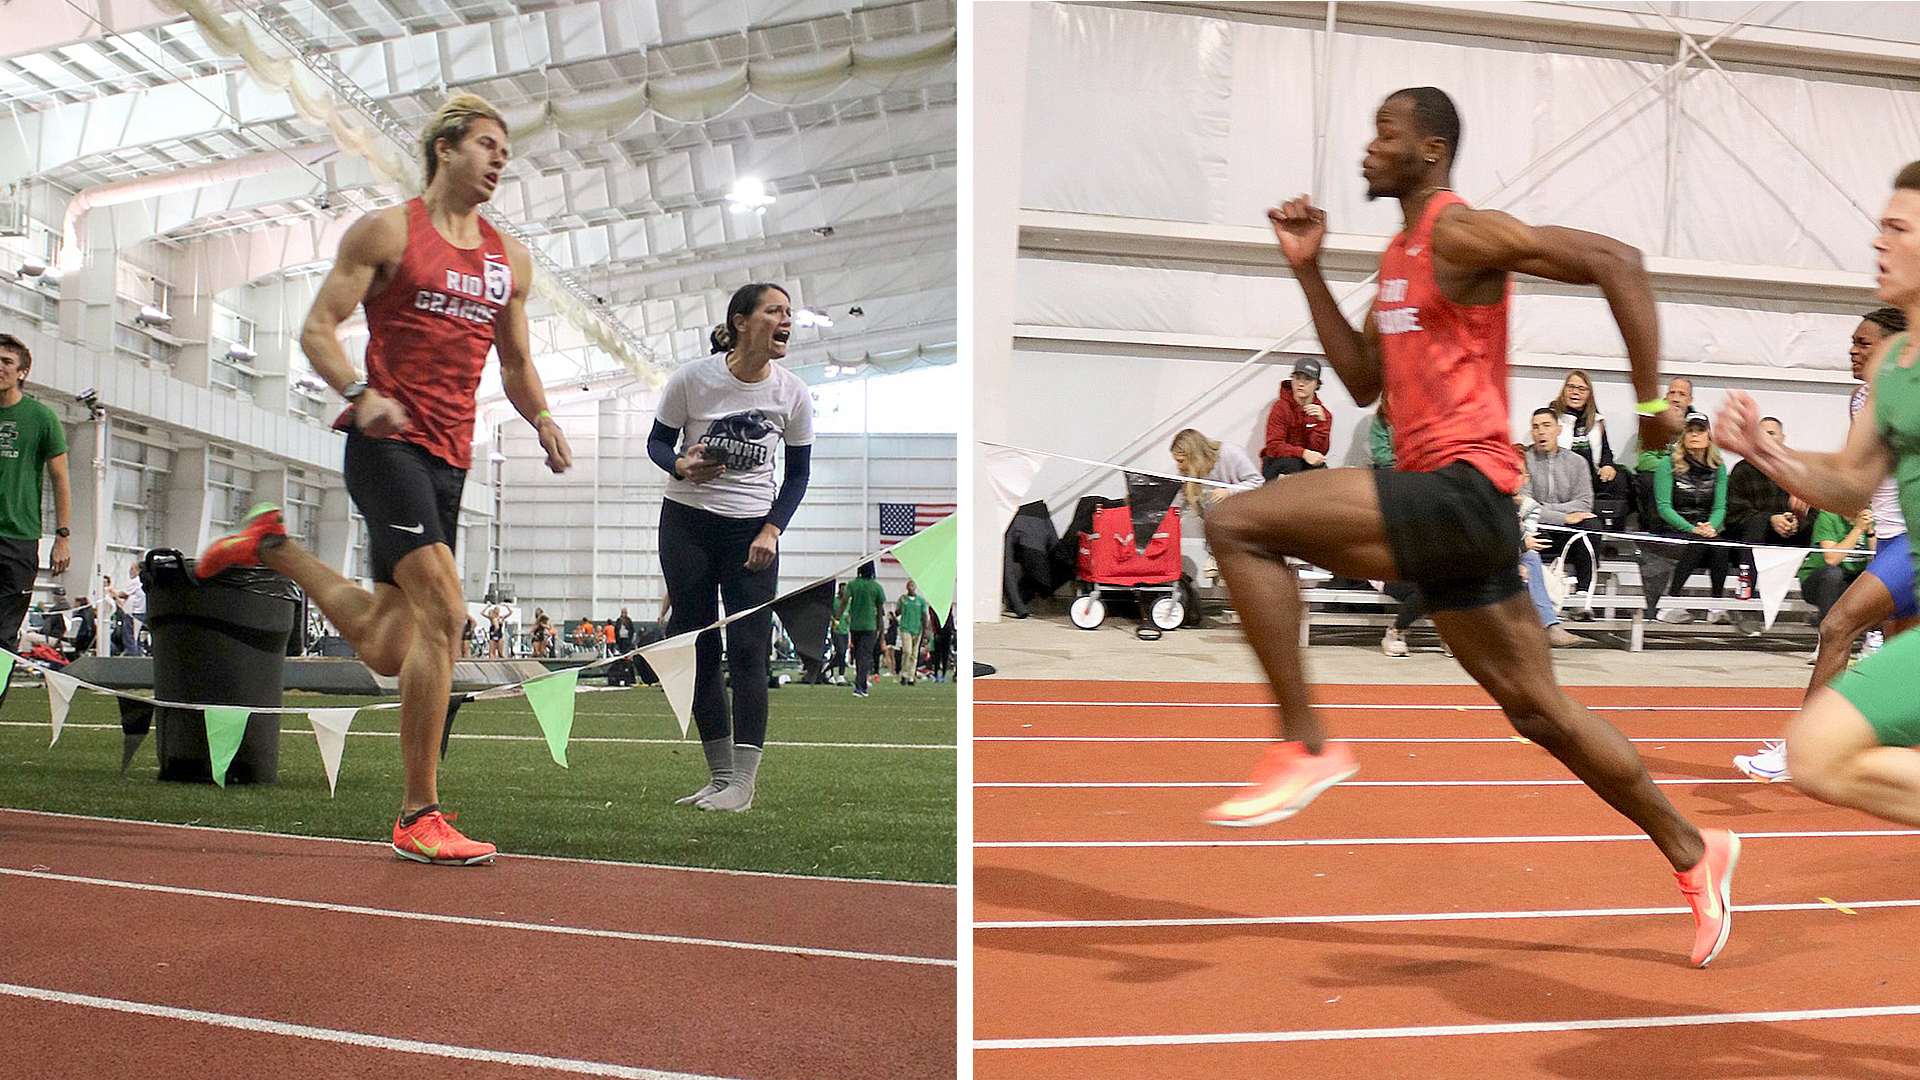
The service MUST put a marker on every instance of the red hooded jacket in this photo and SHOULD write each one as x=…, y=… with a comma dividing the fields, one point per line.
x=1290, y=430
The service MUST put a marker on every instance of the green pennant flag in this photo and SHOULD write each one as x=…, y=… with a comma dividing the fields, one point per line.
x=930, y=558
x=6, y=673
x=552, y=699
x=225, y=729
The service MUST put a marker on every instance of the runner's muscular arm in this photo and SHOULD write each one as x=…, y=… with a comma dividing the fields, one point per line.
x=518, y=376
x=1490, y=240
x=1842, y=482
x=374, y=242
x=1300, y=227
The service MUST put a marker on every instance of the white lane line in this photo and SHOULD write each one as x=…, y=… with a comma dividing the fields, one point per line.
x=1563, y=782
x=1396, y=841
x=1406, y=917
x=1333, y=1035
x=511, y=856
x=479, y=737
x=348, y=1038
x=1481, y=707
x=1737, y=739
x=462, y=920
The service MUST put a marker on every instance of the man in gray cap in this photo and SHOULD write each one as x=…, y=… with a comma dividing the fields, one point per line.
x=1299, y=427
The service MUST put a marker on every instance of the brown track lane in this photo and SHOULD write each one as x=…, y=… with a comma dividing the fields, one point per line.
x=687, y=1008
x=1084, y=981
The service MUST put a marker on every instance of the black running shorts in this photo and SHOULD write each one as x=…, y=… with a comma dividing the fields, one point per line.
x=409, y=497
x=1453, y=534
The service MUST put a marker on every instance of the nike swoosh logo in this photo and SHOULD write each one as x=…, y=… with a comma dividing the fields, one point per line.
x=416, y=529
x=431, y=851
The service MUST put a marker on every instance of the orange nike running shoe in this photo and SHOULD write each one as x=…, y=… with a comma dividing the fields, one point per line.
x=1284, y=782
x=433, y=839
x=1709, y=890
x=243, y=547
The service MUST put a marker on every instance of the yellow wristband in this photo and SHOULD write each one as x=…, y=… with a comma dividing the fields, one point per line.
x=545, y=415
x=1652, y=408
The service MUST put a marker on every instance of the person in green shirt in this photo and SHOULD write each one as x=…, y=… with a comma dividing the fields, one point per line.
x=31, y=440
x=913, y=626
x=866, y=613
x=1833, y=565
x=838, y=664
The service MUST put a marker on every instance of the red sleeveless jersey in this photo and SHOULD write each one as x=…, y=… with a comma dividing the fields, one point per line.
x=429, y=331
x=1445, y=363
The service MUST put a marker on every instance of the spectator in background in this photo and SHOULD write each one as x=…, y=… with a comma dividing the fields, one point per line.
x=1760, y=511
x=838, y=663
x=1842, y=545
x=1647, y=462
x=542, y=634
x=1299, y=428
x=866, y=614
x=1196, y=455
x=914, y=619
x=36, y=444
x=1561, y=482
x=1690, y=499
x=496, y=614
x=1585, y=434
x=132, y=602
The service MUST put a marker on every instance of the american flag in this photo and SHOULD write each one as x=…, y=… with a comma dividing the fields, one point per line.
x=905, y=519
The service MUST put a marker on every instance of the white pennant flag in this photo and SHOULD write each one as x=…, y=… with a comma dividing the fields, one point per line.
x=59, y=698
x=673, y=661
x=1778, y=567
x=1010, y=473
x=330, y=731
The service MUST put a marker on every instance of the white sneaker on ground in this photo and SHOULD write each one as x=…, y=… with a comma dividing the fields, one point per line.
x=1719, y=617
x=1871, y=645
x=1768, y=765
x=1675, y=615
x=1394, y=643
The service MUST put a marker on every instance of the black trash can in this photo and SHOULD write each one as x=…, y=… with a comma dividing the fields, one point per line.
x=217, y=642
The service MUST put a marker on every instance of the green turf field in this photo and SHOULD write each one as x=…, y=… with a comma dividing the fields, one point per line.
x=832, y=807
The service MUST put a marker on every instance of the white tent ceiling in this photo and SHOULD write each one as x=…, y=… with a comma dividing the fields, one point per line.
x=846, y=113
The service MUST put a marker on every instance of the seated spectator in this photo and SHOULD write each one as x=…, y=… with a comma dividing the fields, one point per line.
x=1690, y=499
x=1647, y=462
x=1841, y=545
x=1196, y=455
x=1760, y=511
x=1299, y=427
x=1561, y=482
x=1585, y=433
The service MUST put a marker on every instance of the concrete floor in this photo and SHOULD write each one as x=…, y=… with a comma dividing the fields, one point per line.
x=1048, y=646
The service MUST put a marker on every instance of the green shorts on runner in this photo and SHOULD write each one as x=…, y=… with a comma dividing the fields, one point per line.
x=1881, y=687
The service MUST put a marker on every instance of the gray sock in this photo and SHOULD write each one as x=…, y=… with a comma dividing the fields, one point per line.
x=738, y=794
x=720, y=753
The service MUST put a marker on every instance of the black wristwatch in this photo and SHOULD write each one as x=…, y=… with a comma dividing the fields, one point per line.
x=63, y=531
x=353, y=390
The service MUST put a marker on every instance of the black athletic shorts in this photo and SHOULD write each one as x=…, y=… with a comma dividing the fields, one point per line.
x=1453, y=534
x=409, y=497
x=19, y=564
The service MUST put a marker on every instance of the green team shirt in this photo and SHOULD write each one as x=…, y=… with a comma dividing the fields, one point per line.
x=1831, y=528
x=1896, y=410
x=863, y=596
x=30, y=436
x=913, y=614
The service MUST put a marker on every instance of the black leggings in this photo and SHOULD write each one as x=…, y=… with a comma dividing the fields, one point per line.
x=704, y=559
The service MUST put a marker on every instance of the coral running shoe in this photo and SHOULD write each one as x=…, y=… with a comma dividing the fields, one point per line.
x=1284, y=782
x=1709, y=889
x=433, y=839
x=1768, y=765
x=243, y=547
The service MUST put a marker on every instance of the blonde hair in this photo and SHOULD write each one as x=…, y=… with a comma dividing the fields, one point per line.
x=1202, y=455
x=452, y=121
x=1680, y=450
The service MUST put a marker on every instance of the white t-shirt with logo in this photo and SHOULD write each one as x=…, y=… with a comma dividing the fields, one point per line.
x=741, y=422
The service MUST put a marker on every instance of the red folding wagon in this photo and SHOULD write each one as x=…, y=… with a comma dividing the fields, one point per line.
x=1111, y=565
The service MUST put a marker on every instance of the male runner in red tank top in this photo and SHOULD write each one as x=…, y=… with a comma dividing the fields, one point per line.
x=1436, y=339
x=441, y=286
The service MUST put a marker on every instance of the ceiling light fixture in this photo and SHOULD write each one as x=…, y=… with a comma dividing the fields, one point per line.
x=239, y=351
x=811, y=317
x=152, y=316
x=749, y=194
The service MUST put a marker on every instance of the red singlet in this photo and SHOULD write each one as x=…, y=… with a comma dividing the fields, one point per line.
x=429, y=331
x=1445, y=363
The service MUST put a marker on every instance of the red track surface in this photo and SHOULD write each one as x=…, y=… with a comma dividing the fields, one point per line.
x=1459, y=938
x=364, y=947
